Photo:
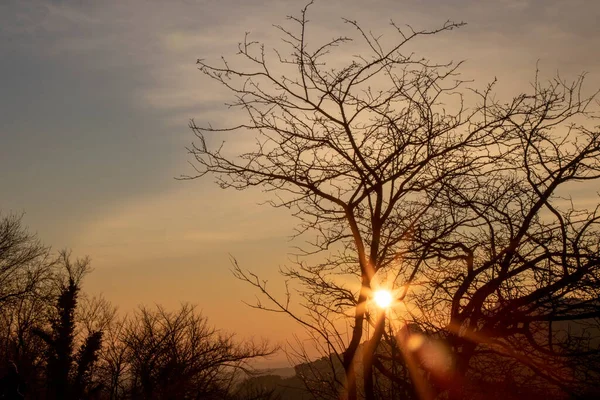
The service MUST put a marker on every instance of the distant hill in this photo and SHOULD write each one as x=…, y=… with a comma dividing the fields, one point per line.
x=285, y=372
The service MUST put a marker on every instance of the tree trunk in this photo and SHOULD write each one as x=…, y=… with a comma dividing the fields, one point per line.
x=369, y=354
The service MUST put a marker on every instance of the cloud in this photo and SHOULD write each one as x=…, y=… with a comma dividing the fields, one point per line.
x=181, y=223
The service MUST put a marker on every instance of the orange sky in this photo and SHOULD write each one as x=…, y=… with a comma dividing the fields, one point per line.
x=95, y=118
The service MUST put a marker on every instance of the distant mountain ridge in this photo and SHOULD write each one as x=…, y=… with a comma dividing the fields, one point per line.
x=284, y=372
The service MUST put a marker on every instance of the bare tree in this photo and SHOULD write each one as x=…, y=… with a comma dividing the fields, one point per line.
x=21, y=351
x=24, y=261
x=401, y=177
x=510, y=256
x=176, y=355
x=26, y=269
x=113, y=367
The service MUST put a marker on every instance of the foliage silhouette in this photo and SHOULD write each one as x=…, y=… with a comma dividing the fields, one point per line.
x=67, y=372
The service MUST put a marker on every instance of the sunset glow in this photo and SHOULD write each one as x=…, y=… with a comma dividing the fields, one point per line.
x=315, y=199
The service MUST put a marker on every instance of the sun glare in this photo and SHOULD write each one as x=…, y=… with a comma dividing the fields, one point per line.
x=383, y=298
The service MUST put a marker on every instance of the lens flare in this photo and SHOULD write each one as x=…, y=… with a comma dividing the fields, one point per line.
x=383, y=298
x=415, y=342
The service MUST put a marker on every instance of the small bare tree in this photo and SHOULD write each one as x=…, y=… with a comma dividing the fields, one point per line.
x=177, y=355
x=399, y=175
x=24, y=261
x=113, y=366
x=26, y=270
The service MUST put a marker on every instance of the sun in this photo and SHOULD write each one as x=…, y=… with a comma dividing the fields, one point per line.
x=383, y=298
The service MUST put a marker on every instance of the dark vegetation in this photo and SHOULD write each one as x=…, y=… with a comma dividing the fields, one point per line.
x=58, y=344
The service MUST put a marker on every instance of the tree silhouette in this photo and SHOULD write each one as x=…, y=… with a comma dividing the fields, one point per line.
x=177, y=355
x=67, y=371
x=401, y=177
x=26, y=271
x=58, y=343
x=24, y=261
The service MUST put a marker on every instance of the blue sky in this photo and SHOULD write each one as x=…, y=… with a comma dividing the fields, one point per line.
x=94, y=106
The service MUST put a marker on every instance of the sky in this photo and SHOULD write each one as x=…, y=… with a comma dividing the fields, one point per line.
x=95, y=101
